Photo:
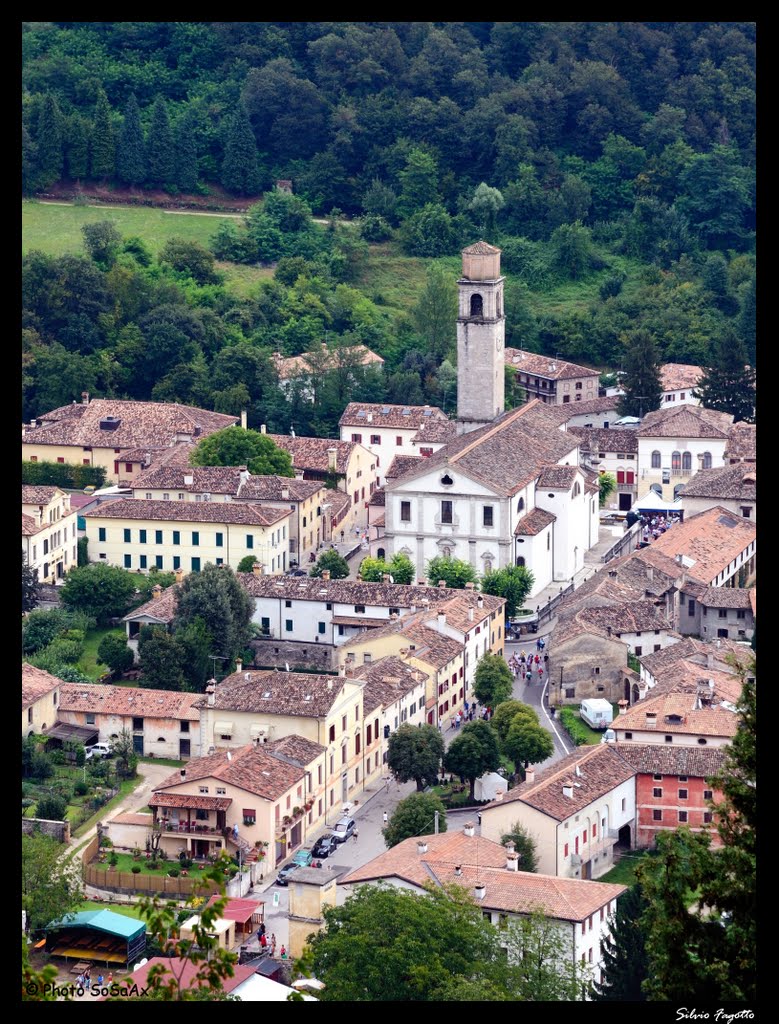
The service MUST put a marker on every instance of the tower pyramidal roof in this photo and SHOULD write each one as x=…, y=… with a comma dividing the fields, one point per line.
x=480, y=248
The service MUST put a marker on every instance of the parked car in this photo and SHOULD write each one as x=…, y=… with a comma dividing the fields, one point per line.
x=286, y=871
x=302, y=858
x=324, y=846
x=97, y=750
x=344, y=829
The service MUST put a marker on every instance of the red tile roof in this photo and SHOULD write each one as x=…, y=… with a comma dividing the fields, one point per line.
x=534, y=522
x=545, y=366
x=129, y=701
x=38, y=495
x=686, y=421
x=679, y=376
x=310, y=453
x=742, y=442
x=711, y=540
x=36, y=684
x=738, y=483
x=557, y=477
x=679, y=713
x=233, y=512
x=250, y=768
x=293, y=366
x=611, y=441
x=277, y=693
x=362, y=414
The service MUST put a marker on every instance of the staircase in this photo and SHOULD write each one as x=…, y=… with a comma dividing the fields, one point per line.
x=248, y=850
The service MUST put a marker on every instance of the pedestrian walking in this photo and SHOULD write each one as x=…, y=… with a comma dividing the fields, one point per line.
x=273, y=944
x=283, y=953
x=540, y=672
x=529, y=676
x=522, y=656
x=546, y=659
x=386, y=818
x=537, y=659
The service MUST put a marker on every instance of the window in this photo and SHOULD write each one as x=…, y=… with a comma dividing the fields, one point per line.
x=669, y=739
x=137, y=725
x=405, y=511
x=375, y=438
x=141, y=536
x=657, y=791
x=657, y=778
x=90, y=719
x=682, y=794
x=321, y=628
x=176, y=537
x=723, y=613
x=521, y=505
x=195, y=538
x=166, y=496
x=639, y=651
x=359, y=608
x=357, y=438
x=707, y=817
x=702, y=741
x=565, y=850
x=746, y=511
x=707, y=460
x=127, y=536
x=287, y=604
x=177, y=561
x=195, y=565
x=142, y=561
x=185, y=728
x=487, y=518
x=578, y=385
x=686, y=462
x=682, y=816
x=657, y=815
x=158, y=561
x=682, y=778
x=128, y=561
x=676, y=461
x=101, y=533
x=655, y=460
x=203, y=789
x=707, y=794
x=288, y=625
x=446, y=512
x=220, y=540
x=398, y=440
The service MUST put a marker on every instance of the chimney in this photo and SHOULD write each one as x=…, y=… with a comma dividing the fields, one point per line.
x=422, y=582
x=442, y=584
x=244, y=475
x=332, y=456
x=421, y=847
x=189, y=479
x=650, y=573
x=183, y=773
x=470, y=614
x=479, y=890
x=678, y=559
x=458, y=869
x=263, y=428
x=530, y=774
x=469, y=830
x=285, y=493
x=211, y=691
x=651, y=719
x=386, y=578
x=499, y=794
x=470, y=585
x=85, y=398
x=709, y=660
x=370, y=417
x=330, y=681
x=238, y=664
x=257, y=568
x=326, y=575
x=243, y=419
x=568, y=790
x=393, y=616
x=156, y=590
x=442, y=618
x=179, y=575
x=512, y=862
x=480, y=602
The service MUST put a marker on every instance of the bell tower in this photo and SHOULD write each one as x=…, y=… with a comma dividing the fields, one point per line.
x=481, y=331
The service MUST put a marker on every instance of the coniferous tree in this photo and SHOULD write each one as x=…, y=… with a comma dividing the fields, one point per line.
x=159, y=149
x=728, y=383
x=49, y=141
x=641, y=379
x=624, y=953
x=29, y=161
x=77, y=147
x=102, y=147
x=240, y=167
x=186, y=152
x=130, y=150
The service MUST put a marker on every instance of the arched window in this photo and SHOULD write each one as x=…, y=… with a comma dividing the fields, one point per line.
x=488, y=565
x=678, y=488
x=655, y=460
x=477, y=305
x=576, y=489
x=380, y=553
x=686, y=461
x=676, y=462
x=520, y=560
x=707, y=460
x=521, y=505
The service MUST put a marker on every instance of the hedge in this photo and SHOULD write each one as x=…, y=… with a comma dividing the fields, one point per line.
x=573, y=726
x=61, y=474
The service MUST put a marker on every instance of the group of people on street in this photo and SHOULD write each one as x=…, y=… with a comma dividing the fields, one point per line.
x=469, y=713
x=656, y=526
x=85, y=980
x=266, y=943
x=525, y=665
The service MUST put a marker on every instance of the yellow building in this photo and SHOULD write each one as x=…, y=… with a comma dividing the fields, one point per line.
x=115, y=434
x=49, y=528
x=40, y=699
x=137, y=534
x=310, y=891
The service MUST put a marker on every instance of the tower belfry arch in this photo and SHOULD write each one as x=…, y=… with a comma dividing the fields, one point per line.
x=481, y=332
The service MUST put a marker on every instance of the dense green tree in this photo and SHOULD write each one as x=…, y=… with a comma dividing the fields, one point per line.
x=160, y=152
x=641, y=379
x=571, y=249
x=247, y=563
x=492, y=681
x=186, y=151
x=514, y=583
x=624, y=952
x=215, y=596
x=524, y=845
x=607, y=484
x=526, y=743
x=240, y=167
x=102, y=241
x=159, y=659
x=506, y=712
x=747, y=317
x=29, y=162
x=234, y=446
x=415, y=753
x=485, y=206
x=715, y=197
x=83, y=551
x=51, y=807
x=419, y=182
x=414, y=816
x=102, y=146
x=48, y=138
x=453, y=571
x=473, y=753
x=51, y=886
x=436, y=311
x=30, y=586
x=540, y=967
x=131, y=147
x=98, y=590
x=114, y=652
x=41, y=627
x=381, y=201
x=401, y=568
x=727, y=383
x=332, y=562
x=77, y=147
x=192, y=258
x=123, y=748
x=429, y=232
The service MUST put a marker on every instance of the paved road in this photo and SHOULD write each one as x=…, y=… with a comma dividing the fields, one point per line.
x=536, y=694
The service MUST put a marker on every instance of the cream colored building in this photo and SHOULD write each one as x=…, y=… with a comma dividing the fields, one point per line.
x=138, y=534
x=49, y=531
x=553, y=381
x=40, y=699
x=114, y=434
x=310, y=891
x=386, y=430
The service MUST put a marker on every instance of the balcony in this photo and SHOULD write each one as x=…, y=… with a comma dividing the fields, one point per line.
x=201, y=829
x=628, y=488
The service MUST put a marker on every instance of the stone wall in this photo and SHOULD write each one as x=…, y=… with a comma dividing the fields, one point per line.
x=59, y=830
x=276, y=653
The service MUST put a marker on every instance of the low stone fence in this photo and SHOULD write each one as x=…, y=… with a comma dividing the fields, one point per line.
x=59, y=830
x=629, y=541
x=547, y=611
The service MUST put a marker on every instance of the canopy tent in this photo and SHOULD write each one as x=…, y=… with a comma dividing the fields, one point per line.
x=100, y=935
x=654, y=502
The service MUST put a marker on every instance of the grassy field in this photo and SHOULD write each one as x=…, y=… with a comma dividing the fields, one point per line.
x=88, y=663
x=126, y=862
x=624, y=872
x=128, y=909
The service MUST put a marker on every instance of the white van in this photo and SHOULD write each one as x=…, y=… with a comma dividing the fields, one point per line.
x=596, y=712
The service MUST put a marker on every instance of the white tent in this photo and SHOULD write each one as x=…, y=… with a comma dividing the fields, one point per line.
x=654, y=502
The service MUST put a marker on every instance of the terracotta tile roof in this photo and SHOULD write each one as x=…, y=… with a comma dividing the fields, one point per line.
x=269, y=488
x=481, y=248
x=435, y=432
x=186, y=973
x=545, y=366
x=695, y=676
x=632, y=577
x=214, y=479
x=690, y=647
x=356, y=414
x=297, y=749
x=725, y=597
x=198, y=802
x=129, y=701
x=35, y=495
x=737, y=482
x=569, y=626
x=534, y=522
x=595, y=407
x=309, y=588
x=596, y=439
x=403, y=861
x=357, y=620
x=686, y=421
x=288, y=693
x=138, y=509
x=141, y=424
x=133, y=819
x=36, y=683
x=162, y=607
x=378, y=521
x=559, y=478
x=293, y=366
x=378, y=497
x=742, y=442
x=458, y=607
x=250, y=768
x=507, y=453
x=677, y=713
x=659, y=759
x=401, y=464
x=600, y=771
x=679, y=376
x=387, y=680
x=632, y=617
x=30, y=527
x=310, y=453
x=711, y=540
x=431, y=647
